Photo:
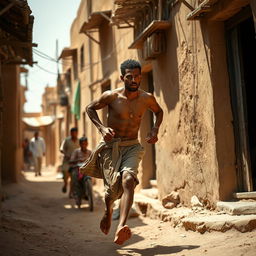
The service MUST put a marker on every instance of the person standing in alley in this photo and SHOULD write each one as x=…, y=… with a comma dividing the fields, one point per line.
x=37, y=148
x=116, y=158
x=26, y=154
x=67, y=147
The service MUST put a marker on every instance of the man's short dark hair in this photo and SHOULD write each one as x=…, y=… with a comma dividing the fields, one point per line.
x=129, y=64
x=82, y=139
x=74, y=129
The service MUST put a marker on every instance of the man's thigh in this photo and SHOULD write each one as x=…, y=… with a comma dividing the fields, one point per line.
x=131, y=159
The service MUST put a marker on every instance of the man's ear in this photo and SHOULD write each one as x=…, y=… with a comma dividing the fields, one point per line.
x=122, y=78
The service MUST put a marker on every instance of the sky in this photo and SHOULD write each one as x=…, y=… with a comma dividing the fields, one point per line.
x=53, y=19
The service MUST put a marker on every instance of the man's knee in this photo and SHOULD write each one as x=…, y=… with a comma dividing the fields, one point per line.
x=128, y=181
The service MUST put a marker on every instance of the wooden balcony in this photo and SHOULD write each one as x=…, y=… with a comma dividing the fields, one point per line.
x=155, y=25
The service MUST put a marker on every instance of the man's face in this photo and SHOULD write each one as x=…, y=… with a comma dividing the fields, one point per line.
x=132, y=79
x=36, y=135
x=83, y=145
x=74, y=135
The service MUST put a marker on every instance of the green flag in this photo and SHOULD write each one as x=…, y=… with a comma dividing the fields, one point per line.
x=76, y=102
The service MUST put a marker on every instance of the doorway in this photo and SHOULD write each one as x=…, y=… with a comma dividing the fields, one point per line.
x=241, y=46
x=151, y=90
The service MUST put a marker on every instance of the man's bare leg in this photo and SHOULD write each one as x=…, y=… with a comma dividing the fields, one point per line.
x=105, y=223
x=65, y=180
x=123, y=232
x=36, y=166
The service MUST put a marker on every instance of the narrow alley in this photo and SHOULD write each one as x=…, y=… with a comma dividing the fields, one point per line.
x=38, y=219
x=151, y=101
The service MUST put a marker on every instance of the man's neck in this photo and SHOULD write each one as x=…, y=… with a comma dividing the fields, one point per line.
x=131, y=95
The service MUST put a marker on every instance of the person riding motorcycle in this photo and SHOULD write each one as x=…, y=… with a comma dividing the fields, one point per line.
x=78, y=156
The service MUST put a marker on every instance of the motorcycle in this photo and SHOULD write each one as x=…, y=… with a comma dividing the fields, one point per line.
x=82, y=187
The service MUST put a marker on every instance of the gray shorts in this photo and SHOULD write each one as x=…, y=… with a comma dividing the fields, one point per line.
x=130, y=157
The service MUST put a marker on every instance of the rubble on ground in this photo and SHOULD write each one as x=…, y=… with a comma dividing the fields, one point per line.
x=197, y=218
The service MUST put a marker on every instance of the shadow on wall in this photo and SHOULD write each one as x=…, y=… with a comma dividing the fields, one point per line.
x=166, y=67
x=107, y=50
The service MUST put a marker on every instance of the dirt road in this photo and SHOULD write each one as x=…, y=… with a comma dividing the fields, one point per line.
x=37, y=219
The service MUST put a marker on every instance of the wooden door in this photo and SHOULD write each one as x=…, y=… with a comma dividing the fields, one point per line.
x=238, y=95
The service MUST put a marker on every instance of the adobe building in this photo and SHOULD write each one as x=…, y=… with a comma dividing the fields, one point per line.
x=197, y=60
x=53, y=132
x=16, y=23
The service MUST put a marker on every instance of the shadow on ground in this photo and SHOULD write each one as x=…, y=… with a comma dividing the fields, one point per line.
x=159, y=250
x=38, y=219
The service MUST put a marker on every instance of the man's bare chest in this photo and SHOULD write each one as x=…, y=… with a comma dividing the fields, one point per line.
x=124, y=108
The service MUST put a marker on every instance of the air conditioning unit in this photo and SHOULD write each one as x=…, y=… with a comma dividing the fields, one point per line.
x=154, y=46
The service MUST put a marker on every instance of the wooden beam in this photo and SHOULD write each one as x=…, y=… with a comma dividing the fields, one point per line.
x=17, y=62
x=121, y=27
x=190, y=7
x=9, y=6
x=125, y=21
x=202, y=8
x=197, y=12
x=105, y=16
x=93, y=39
x=17, y=43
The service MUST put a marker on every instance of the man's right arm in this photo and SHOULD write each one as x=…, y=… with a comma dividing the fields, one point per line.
x=62, y=147
x=105, y=99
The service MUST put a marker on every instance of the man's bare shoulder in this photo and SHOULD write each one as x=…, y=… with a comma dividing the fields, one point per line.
x=147, y=96
x=109, y=96
x=113, y=94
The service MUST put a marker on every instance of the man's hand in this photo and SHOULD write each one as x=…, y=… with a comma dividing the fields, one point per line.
x=107, y=134
x=152, y=136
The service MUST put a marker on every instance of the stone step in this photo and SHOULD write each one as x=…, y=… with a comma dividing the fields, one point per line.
x=222, y=223
x=153, y=209
x=150, y=192
x=245, y=195
x=237, y=208
x=195, y=219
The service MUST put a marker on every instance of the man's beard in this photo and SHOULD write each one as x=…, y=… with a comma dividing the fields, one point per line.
x=131, y=89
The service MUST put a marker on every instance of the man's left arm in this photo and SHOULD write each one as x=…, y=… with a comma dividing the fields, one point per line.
x=158, y=112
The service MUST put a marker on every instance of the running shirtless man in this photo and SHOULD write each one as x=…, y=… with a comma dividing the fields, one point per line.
x=126, y=107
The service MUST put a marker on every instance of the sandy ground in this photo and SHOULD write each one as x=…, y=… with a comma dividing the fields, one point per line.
x=37, y=219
